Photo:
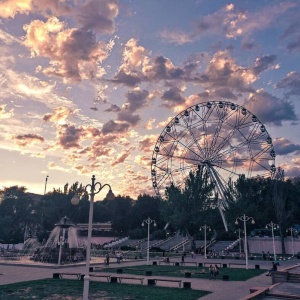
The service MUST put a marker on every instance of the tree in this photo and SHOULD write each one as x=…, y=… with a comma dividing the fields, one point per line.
x=146, y=206
x=187, y=209
x=15, y=212
x=250, y=196
x=120, y=208
x=279, y=200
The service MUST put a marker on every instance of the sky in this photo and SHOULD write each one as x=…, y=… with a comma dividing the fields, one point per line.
x=87, y=86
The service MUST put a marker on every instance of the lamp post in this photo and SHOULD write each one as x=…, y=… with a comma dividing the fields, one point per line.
x=239, y=231
x=292, y=230
x=42, y=219
x=273, y=226
x=91, y=190
x=205, y=227
x=245, y=219
x=148, y=222
x=46, y=184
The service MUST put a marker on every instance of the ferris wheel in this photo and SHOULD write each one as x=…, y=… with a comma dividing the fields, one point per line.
x=223, y=138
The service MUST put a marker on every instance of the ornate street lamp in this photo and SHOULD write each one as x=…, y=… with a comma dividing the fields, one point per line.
x=148, y=222
x=205, y=227
x=245, y=219
x=91, y=190
x=292, y=230
x=273, y=226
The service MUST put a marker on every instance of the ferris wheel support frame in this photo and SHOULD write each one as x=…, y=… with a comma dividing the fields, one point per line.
x=220, y=187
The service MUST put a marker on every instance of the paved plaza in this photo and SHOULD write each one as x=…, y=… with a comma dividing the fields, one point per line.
x=221, y=290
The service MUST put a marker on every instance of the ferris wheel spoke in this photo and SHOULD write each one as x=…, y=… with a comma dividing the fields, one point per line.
x=225, y=140
x=195, y=141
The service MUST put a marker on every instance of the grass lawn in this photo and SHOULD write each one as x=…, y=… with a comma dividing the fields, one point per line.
x=67, y=289
x=235, y=274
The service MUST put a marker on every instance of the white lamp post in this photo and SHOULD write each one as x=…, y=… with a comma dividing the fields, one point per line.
x=148, y=222
x=92, y=190
x=239, y=231
x=292, y=230
x=273, y=226
x=244, y=219
x=205, y=227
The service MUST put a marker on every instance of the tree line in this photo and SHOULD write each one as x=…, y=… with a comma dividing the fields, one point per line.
x=186, y=209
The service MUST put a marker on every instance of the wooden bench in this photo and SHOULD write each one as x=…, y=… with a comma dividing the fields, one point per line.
x=189, y=262
x=164, y=279
x=120, y=278
x=60, y=275
x=101, y=275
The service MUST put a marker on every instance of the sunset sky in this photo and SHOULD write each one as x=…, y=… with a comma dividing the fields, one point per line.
x=87, y=86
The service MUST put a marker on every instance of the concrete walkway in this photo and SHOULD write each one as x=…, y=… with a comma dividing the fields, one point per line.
x=221, y=290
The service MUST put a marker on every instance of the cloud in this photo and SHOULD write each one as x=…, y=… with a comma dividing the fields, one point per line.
x=229, y=21
x=5, y=114
x=9, y=8
x=291, y=33
x=113, y=108
x=25, y=139
x=162, y=68
x=120, y=158
x=173, y=97
x=136, y=99
x=175, y=37
x=128, y=117
x=149, y=124
x=223, y=72
x=290, y=171
x=98, y=16
x=59, y=116
x=147, y=142
x=291, y=83
x=270, y=109
x=114, y=127
x=263, y=63
x=133, y=55
x=129, y=78
x=243, y=23
x=284, y=146
x=248, y=45
x=69, y=136
x=294, y=45
x=74, y=54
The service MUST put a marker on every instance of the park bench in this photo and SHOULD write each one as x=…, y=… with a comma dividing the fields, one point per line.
x=120, y=278
x=101, y=276
x=60, y=275
x=153, y=281
x=189, y=262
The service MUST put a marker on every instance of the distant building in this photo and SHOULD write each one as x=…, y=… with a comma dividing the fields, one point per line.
x=98, y=229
